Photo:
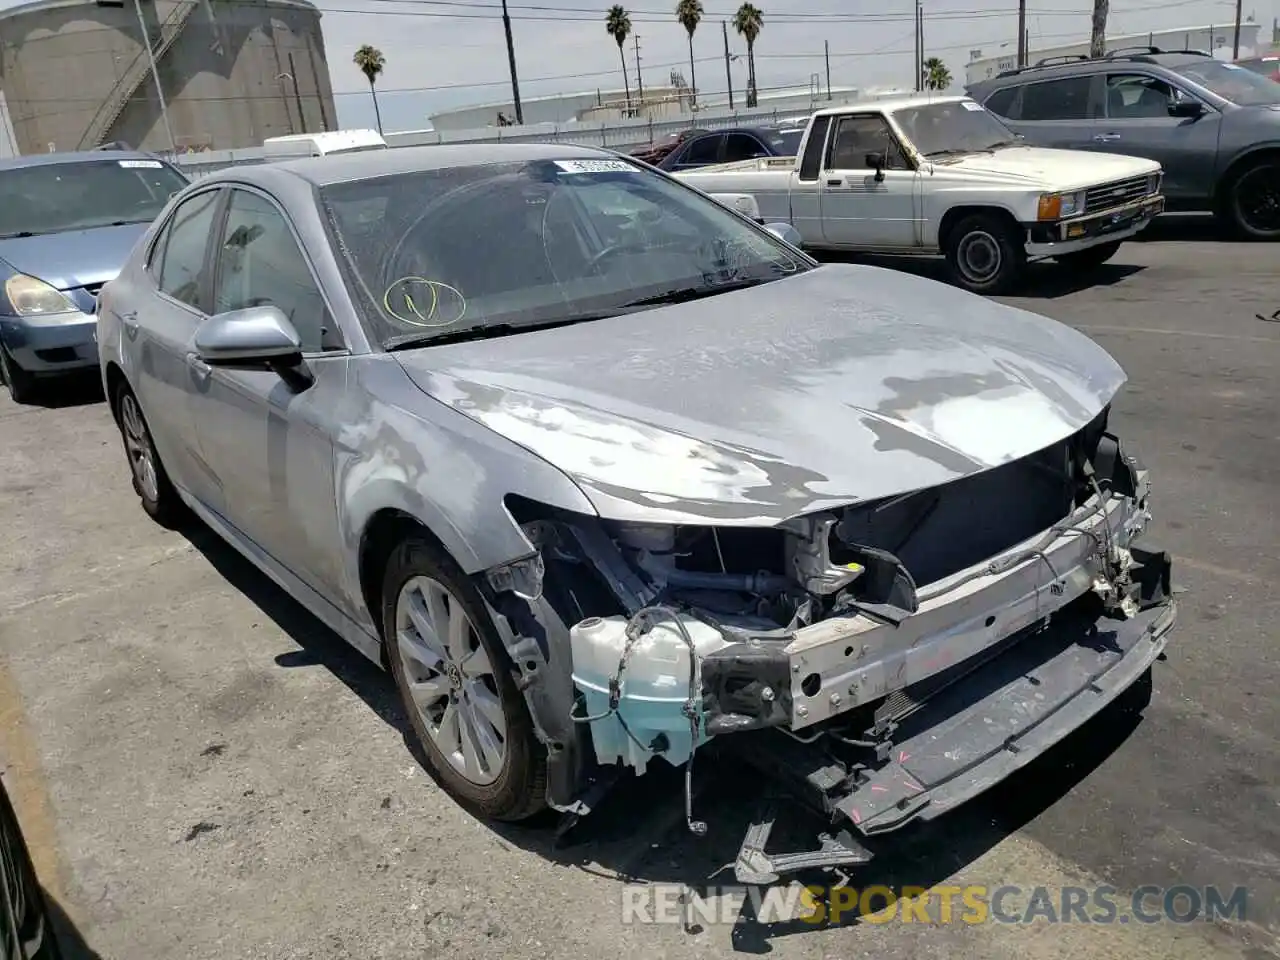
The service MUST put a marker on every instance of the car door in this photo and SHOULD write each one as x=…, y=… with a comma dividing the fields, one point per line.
x=743, y=146
x=857, y=209
x=1138, y=123
x=699, y=152
x=158, y=328
x=1055, y=113
x=266, y=438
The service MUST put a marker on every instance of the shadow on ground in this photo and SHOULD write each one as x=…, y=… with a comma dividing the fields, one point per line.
x=72, y=390
x=638, y=832
x=71, y=943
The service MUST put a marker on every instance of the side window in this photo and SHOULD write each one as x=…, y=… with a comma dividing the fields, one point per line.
x=1133, y=95
x=1001, y=102
x=703, y=150
x=811, y=162
x=855, y=137
x=1065, y=99
x=743, y=146
x=260, y=263
x=179, y=258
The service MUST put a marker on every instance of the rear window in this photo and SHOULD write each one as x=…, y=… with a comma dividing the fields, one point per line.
x=1001, y=102
x=59, y=197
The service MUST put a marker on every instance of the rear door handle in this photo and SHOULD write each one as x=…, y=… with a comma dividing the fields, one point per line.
x=1106, y=137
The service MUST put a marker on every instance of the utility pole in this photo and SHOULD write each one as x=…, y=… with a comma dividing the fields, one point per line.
x=728, y=74
x=639, y=81
x=511, y=59
x=1022, y=33
x=918, y=57
x=1235, y=48
x=920, y=27
x=826, y=52
x=151, y=56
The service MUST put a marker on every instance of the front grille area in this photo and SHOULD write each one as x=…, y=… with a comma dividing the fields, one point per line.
x=1116, y=194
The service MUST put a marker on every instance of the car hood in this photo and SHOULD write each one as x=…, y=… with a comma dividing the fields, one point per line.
x=840, y=384
x=74, y=258
x=1048, y=168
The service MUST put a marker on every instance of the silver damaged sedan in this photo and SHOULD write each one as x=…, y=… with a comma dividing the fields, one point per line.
x=601, y=470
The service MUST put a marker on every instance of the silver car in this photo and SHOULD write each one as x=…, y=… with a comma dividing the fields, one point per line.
x=602, y=470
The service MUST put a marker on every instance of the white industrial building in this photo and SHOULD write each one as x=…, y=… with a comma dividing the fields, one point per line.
x=663, y=103
x=1217, y=38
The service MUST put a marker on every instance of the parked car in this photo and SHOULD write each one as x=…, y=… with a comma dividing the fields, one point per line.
x=67, y=222
x=601, y=469
x=730, y=146
x=1214, y=127
x=26, y=931
x=941, y=175
x=654, y=153
x=1268, y=66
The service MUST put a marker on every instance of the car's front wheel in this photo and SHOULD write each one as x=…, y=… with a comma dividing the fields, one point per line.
x=985, y=254
x=150, y=480
x=1090, y=258
x=1252, y=202
x=21, y=384
x=455, y=680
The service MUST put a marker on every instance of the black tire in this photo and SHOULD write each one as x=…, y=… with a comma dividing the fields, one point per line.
x=1091, y=257
x=1250, y=205
x=520, y=788
x=985, y=238
x=162, y=502
x=21, y=384
x=25, y=898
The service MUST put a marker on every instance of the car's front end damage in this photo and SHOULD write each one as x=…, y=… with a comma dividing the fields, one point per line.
x=889, y=659
x=902, y=564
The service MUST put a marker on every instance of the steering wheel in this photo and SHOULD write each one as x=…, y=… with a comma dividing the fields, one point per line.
x=626, y=246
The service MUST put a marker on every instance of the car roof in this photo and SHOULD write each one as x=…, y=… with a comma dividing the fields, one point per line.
x=345, y=167
x=81, y=156
x=890, y=104
x=1043, y=70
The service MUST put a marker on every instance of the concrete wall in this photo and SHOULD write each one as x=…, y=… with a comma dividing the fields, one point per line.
x=61, y=61
x=1218, y=39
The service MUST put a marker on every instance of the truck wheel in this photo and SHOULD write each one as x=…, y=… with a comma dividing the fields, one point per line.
x=455, y=681
x=984, y=254
x=1251, y=206
x=1091, y=257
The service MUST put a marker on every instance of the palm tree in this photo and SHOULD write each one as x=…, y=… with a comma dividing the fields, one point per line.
x=617, y=23
x=371, y=63
x=936, y=74
x=749, y=21
x=689, y=13
x=1098, y=37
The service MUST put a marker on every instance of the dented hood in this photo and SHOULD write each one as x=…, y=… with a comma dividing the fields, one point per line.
x=840, y=384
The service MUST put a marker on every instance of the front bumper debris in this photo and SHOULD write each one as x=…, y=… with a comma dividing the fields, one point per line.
x=963, y=740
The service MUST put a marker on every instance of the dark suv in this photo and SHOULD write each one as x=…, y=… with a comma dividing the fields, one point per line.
x=1213, y=126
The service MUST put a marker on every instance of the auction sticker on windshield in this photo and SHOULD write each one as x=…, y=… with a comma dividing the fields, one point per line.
x=595, y=166
x=970, y=105
x=141, y=164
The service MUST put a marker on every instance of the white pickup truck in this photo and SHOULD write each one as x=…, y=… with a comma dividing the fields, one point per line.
x=941, y=175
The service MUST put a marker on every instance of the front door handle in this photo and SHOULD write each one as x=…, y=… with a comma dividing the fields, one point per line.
x=199, y=369
x=835, y=182
x=1106, y=137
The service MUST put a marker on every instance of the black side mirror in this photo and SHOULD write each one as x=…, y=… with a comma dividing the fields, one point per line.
x=1186, y=107
x=875, y=161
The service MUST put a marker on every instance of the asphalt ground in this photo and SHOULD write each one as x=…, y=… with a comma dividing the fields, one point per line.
x=203, y=771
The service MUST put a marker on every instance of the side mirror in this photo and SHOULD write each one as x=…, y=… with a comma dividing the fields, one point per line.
x=254, y=336
x=1186, y=107
x=785, y=232
x=875, y=161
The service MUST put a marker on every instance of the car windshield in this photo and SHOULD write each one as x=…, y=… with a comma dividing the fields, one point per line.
x=459, y=251
x=57, y=197
x=1233, y=82
x=953, y=127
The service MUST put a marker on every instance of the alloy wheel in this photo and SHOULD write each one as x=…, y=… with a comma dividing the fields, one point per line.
x=137, y=444
x=1257, y=200
x=450, y=679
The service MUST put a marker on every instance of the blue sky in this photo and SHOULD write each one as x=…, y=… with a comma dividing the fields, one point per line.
x=447, y=53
